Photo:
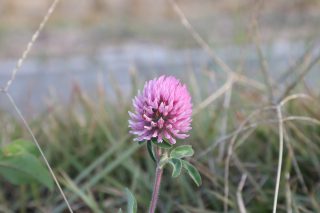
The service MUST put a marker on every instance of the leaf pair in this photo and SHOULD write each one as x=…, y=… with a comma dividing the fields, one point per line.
x=19, y=164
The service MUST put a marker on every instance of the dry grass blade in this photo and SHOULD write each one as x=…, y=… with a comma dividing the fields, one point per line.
x=230, y=152
x=255, y=125
x=241, y=205
x=198, y=38
x=87, y=197
x=302, y=118
x=238, y=131
x=30, y=45
x=262, y=59
x=223, y=130
x=288, y=194
x=281, y=140
x=295, y=164
x=305, y=70
x=303, y=59
x=222, y=90
x=293, y=97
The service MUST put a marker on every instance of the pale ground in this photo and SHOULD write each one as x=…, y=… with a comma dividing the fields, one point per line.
x=80, y=25
x=87, y=40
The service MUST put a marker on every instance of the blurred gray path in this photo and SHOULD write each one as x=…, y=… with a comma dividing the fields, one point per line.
x=40, y=75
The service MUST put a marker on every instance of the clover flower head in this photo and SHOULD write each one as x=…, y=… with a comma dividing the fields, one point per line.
x=161, y=111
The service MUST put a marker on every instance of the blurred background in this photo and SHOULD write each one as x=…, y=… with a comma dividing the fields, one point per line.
x=75, y=89
x=86, y=40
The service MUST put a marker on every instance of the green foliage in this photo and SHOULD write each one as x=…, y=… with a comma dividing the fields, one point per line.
x=90, y=143
x=193, y=172
x=176, y=162
x=182, y=151
x=132, y=203
x=176, y=166
x=19, y=164
x=151, y=151
x=19, y=146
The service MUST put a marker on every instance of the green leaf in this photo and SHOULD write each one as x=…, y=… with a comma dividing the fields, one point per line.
x=19, y=146
x=182, y=151
x=193, y=172
x=120, y=211
x=24, y=168
x=132, y=203
x=176, y=166
x=150, y=151
x=164, y=144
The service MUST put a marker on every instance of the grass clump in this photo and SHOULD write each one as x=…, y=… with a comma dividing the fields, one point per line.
x=88, y=145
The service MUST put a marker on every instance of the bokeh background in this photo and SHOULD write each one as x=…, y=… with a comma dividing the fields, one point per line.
x=86, y=39
x=75, y=89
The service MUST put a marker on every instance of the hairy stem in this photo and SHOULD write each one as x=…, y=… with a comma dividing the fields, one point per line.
x=157, y=183
x=156, y=188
